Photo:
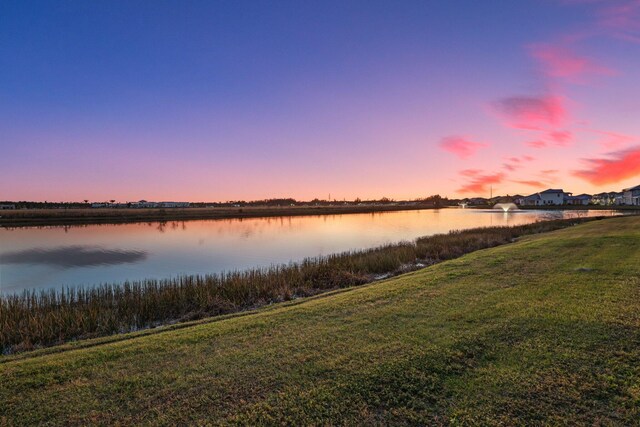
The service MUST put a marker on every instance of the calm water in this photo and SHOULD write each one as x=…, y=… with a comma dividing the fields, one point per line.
x=88, y=255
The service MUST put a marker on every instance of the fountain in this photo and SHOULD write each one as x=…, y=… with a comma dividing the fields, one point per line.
x=506, y=207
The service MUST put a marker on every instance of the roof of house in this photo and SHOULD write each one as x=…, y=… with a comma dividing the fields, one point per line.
x=552, y=190
x=582, y=196
x=637, y=187
x=533, y=196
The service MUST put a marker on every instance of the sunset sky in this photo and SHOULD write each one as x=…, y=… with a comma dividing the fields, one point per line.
x=226, y=100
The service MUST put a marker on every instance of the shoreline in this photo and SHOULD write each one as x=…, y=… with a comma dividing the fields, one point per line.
x=70, y=314
x=89, y=216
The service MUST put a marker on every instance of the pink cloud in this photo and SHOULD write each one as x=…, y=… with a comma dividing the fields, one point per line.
x=528, y=158
x=480, y=183
x=532, y=112
x=536, y=144
x=614, y=140
x=617, y=167
x=560, y=62
x=461, y=146
x=470, y=172
x=531, y=183
x=509, y=167
x=549, y=171
x=620, y=15
x=561, y=138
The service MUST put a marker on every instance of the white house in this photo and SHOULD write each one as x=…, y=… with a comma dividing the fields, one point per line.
x=546, y=198
x=554, y=197
x=632, y=195
x=532, y=200
x=7, y=207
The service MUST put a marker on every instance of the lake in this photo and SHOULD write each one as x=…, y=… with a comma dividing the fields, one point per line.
x=47, y=257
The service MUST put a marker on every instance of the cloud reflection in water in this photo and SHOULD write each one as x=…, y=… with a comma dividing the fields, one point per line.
x=73, y=256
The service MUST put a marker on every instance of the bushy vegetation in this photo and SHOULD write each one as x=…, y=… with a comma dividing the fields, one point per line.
x=42, y=318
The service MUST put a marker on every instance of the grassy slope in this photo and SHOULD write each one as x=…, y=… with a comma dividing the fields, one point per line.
x=546, y=330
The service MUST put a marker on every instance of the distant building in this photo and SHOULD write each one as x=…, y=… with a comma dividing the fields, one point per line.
x=532, y=200
x=554, y=197
x=7, y=207
x=143, y=204
x=605, y=199
x=548, y=197
x=581, y=199
x=477, y=201
x=631, y=196
x=174, y=204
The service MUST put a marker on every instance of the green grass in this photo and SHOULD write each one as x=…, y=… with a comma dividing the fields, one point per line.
x=545, y=331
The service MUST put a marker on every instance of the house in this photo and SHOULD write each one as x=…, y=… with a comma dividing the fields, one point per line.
x=554, y=196
x=477, y=201
x=605, y=199
x=581, y=199
x=174, y=204
x=532, y=200
x=545, y=198
x=618, y=199
x=631, y=196
x=7, y=207
x=143, y=204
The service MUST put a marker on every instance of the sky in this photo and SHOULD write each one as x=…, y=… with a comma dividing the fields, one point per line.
x=243, y=100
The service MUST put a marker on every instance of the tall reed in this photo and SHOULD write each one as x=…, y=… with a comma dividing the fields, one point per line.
x=35, y=319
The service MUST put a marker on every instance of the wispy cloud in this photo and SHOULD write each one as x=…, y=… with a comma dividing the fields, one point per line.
x=561, y=138
x=537, y=144
x=613, y=140
x=531, y=183
x=532, y=112
x=561, y=62
x=461, y=146
x=480, y=182
x=616, y=167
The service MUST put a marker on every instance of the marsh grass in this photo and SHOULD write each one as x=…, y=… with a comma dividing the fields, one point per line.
x=42, y=318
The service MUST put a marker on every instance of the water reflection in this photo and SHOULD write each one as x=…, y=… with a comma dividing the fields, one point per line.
x=73, y=256
x=43, y=257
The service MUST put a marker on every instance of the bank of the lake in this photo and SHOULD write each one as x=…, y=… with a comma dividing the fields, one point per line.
x=34, y=319
x=46, y=217
x=542, y=331
x=52, y=257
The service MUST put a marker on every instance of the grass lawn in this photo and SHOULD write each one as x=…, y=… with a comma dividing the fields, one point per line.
x=542, y=331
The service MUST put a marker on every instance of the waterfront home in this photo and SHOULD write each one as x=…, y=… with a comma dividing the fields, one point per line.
x=477, y=201
x=143, y=204
x=631, y=196
x=605, y=199
x=174, y=204
x=532, y=200
x=581, y=199
x=7, y=207
x=545, y=198
x=554, y=196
